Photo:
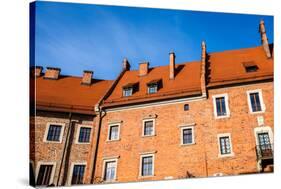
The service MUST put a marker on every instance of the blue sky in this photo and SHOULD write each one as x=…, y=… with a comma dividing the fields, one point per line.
x=77, y=37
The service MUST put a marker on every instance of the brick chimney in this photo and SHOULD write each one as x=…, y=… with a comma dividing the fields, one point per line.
x=126, y=64
x=264, y=39
x=36, y=71
x=87, y=77
x=143, y=68
x=172, y=65
x=52, y=73
x=203, y=68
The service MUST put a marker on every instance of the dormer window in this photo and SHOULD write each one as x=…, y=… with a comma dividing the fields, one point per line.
x=128, y=91
x=250, y=66
x=153, y=86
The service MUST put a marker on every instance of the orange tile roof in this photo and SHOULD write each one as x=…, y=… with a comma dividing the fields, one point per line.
x=186, y=82
x=67, y=93
x=228, y=66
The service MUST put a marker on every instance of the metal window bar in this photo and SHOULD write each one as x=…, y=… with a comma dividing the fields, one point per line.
x=265, y=151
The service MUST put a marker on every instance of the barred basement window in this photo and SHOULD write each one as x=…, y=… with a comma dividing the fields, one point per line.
x=84, y=135
x=225, y=147
x=54, y=133
x=147, y=165
x=78, y=174
x=44, y=175
x=186, y=107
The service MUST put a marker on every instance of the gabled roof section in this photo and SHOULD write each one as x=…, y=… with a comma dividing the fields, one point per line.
x=186, y=82
x=229, y=66
x=68, y=94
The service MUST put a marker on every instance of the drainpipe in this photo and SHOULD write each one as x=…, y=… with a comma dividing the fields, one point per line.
x=102, y=113
x=65, y=147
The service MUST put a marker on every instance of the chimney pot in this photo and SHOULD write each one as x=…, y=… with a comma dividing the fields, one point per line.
x=126, y=64
x=143, y=68
x=172, y=65
x=87, y=77
x=264, y=39
x=52, y=73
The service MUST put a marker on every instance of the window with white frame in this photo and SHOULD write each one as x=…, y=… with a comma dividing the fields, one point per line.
x=84, y=134
x=113, y=132
x=225, y=146
x=54, y=132
x=78, y=174
x=147, y=165
x=128, y=91
x=152, y=88
x=109, y=172
x=221, y=108
x=187, y=134
x=255, y=101
x=45, y=173
x=148, y=127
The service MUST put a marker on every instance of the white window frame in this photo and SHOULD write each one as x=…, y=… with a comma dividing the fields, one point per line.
x=191, y=126
x=39, y=163
x=225, y=95
x=109, y=128
x=259, y=91
x=219, y=145
x=109, y=159
x=70, y=173
x=147, y=154
x=47, y=130
x=78, y=133
x=143, y=126
x=149, y=86
x=131, y=91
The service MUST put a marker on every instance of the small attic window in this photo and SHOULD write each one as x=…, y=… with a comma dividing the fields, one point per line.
x=152, y=86
x=129, y=89
x=250, y=67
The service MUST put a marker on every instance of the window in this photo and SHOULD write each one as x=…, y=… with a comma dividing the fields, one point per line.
x=253, y=68
x=221, y=109
x=186, y=107
x=44, y=175
x=84, y=134
x=255, y=101
x=78, y=174
x=128, y=91
x=152, y=88
x=187, y=135
x=53, y=132
x=250, y=66
x=110, y=170
x=147, y=165
x=148, y=127
x=113, y=133
x=225, y=146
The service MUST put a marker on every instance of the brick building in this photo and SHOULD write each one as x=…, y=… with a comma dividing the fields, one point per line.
x=211, y=117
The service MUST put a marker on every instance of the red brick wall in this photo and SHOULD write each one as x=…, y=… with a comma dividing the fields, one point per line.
x=200, y=159
x=52, y=152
